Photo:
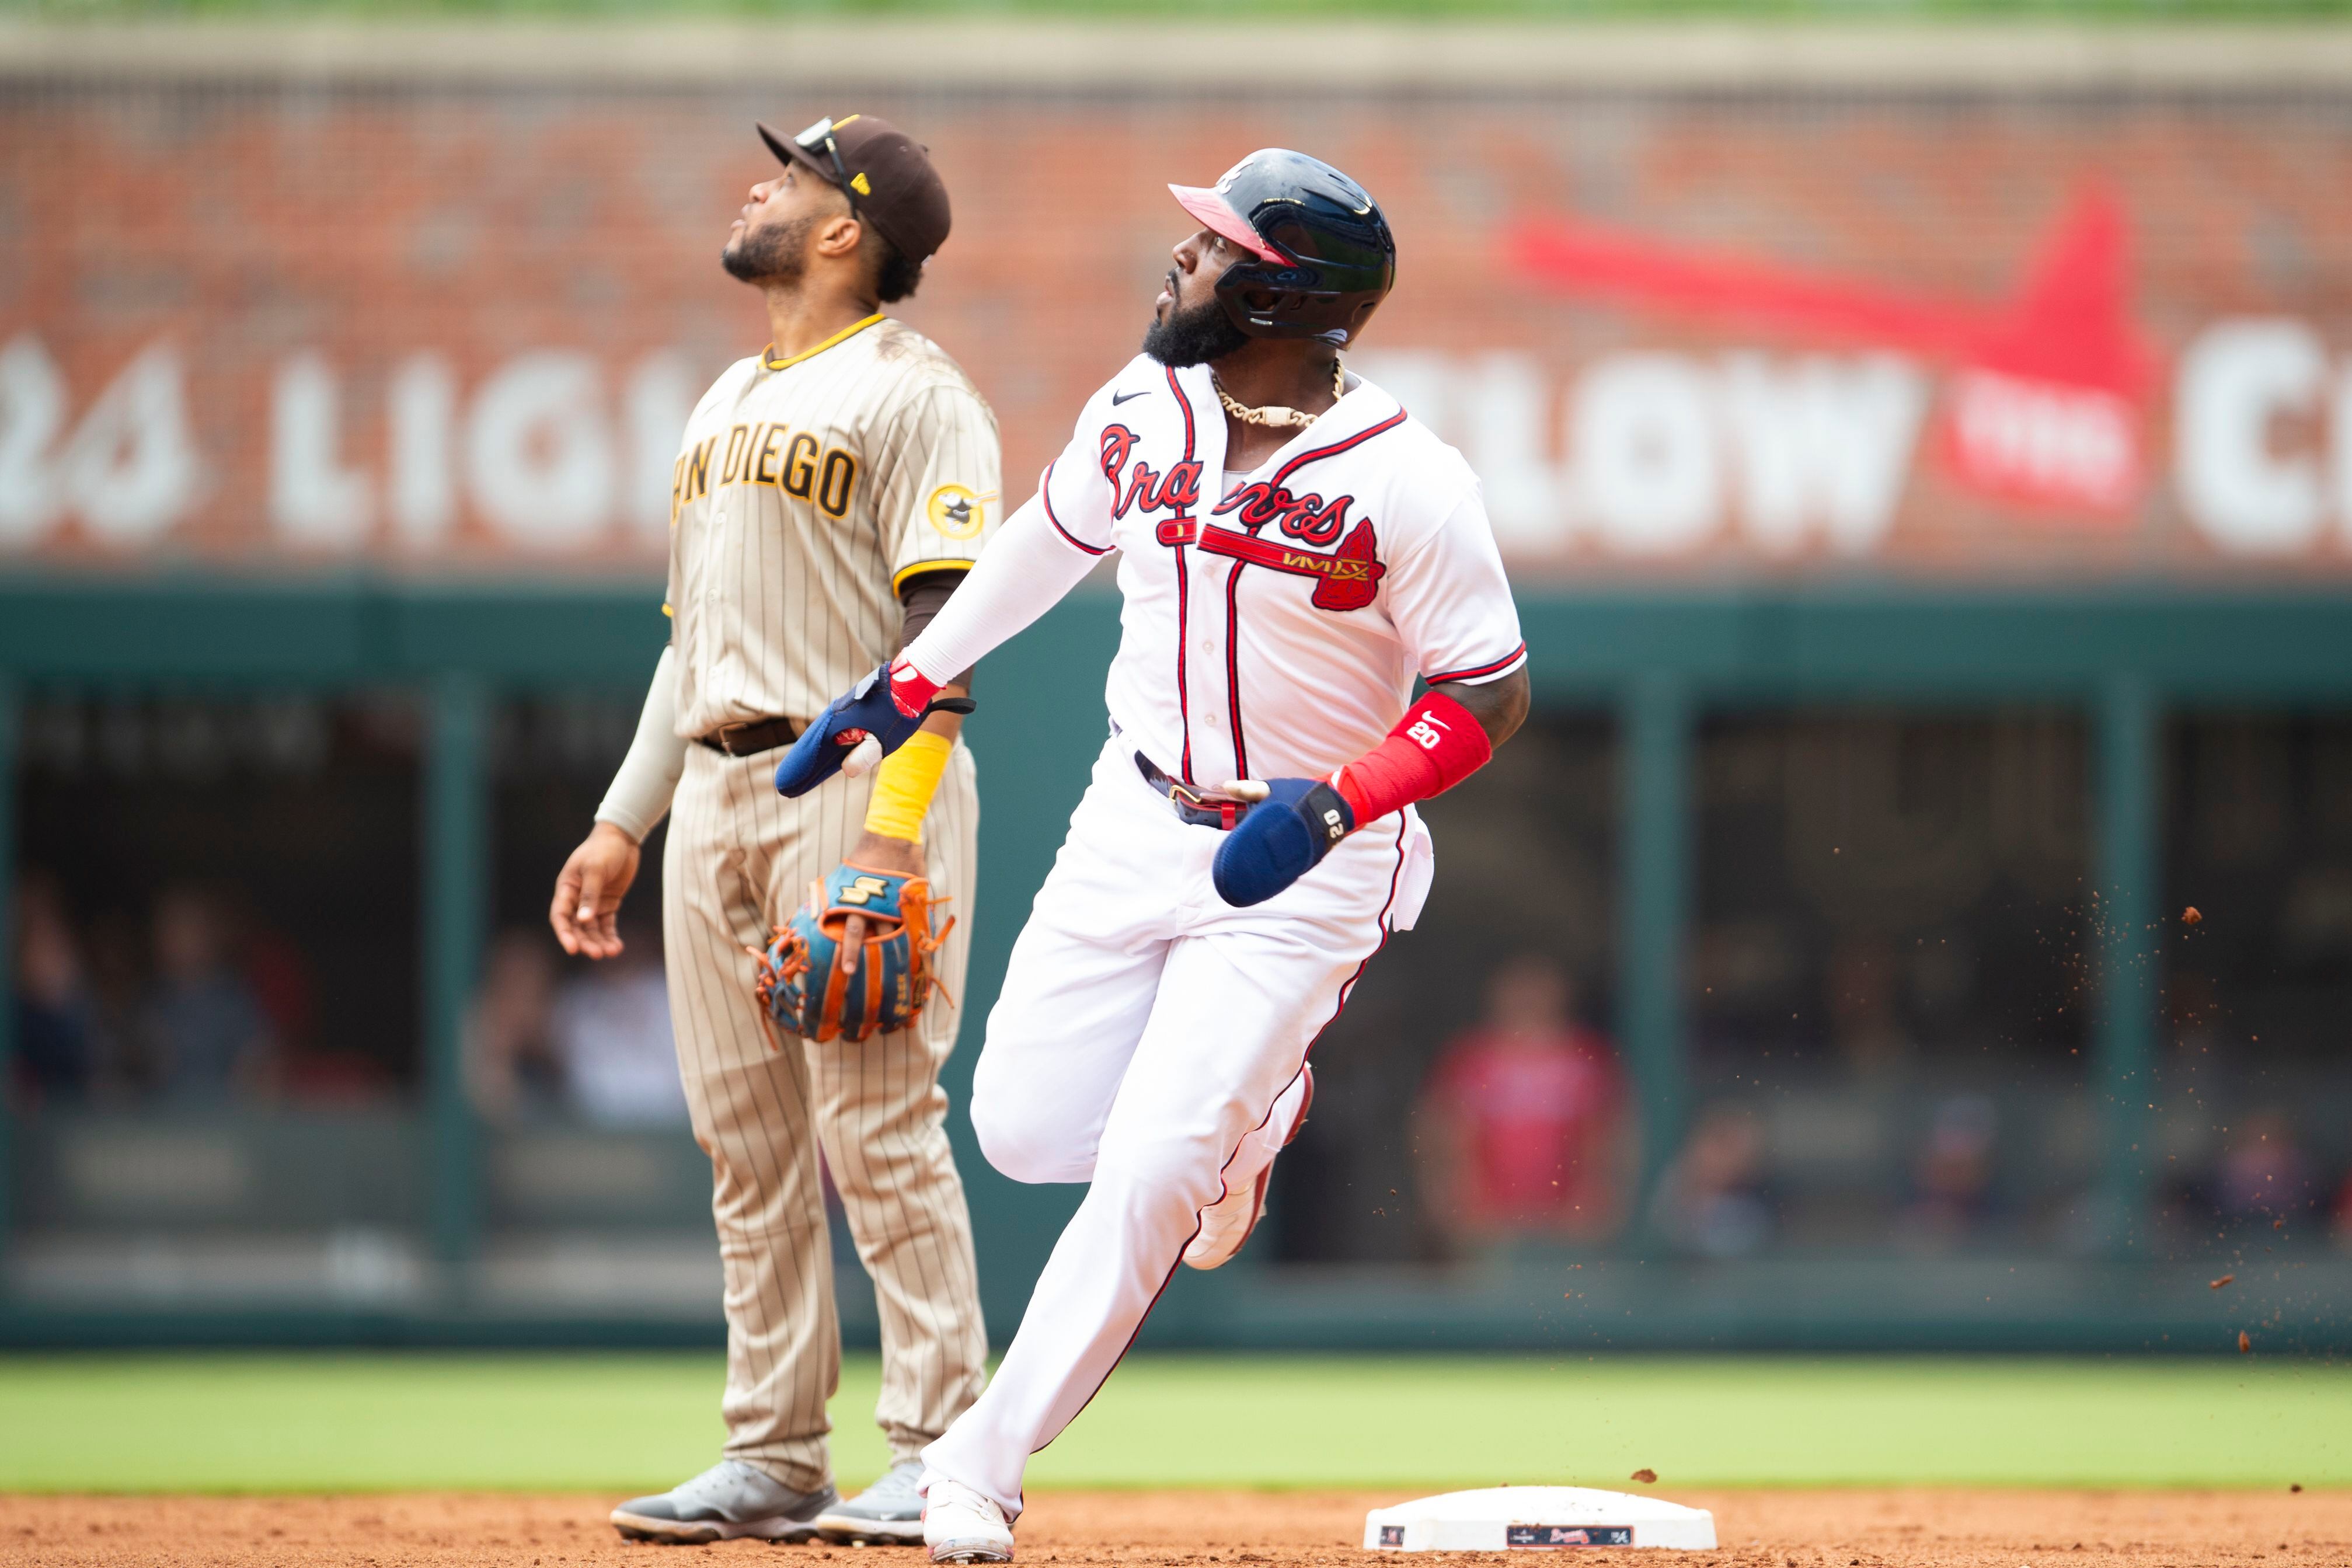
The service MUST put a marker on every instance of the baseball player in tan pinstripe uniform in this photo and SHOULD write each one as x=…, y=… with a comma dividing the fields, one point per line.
x=830, y=494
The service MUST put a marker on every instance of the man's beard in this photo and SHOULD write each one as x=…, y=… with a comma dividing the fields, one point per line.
x=776, y=255
x=1193, y=336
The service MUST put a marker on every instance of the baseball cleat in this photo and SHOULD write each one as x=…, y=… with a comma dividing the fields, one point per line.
x=728, y=1501
x=1225, y=1224
x=887, y=1513
x=961, y=1526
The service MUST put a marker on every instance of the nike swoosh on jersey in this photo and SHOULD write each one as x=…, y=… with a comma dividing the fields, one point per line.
x=1119, y=398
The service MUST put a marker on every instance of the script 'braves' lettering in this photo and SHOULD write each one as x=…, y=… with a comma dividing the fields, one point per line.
x=1306, y=517
x=1118, y=441
x=1143, y=488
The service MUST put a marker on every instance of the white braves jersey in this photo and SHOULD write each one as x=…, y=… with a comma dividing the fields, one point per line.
x=807, y=490
x=1276, y=633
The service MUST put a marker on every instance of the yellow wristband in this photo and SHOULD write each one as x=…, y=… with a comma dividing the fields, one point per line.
x=904, y=785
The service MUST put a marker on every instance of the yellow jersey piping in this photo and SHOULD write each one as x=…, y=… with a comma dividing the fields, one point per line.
x=898, y=578
x=768, y=363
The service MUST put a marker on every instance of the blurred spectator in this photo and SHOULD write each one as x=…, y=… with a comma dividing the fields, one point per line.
x=2343, y=1217
x=1712, y=1200
x=209, y=1036
x=1522, y=1115
x=1953, y=1179
x=510, y=1064
x=57, y=1032
x=610, y=1033
x=2264, y=1173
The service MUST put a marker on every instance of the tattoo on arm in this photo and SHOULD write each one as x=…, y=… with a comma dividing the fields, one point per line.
x=1499, y=706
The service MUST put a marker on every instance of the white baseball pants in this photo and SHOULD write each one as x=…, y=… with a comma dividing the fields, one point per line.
x=1149, y=1041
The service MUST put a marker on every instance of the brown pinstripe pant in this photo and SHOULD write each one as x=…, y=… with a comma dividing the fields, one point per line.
x=738, y=859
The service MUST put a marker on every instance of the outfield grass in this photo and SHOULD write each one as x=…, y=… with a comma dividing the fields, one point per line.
x=621, y=1423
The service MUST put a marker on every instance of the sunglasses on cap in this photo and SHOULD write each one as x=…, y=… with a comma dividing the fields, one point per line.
x=819, y=137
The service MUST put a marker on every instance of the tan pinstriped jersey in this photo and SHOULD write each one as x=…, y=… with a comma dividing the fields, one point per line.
x=807, y=492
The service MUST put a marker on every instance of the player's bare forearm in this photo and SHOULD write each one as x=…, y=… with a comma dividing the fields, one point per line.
x=880, y=852
x=1499, y=706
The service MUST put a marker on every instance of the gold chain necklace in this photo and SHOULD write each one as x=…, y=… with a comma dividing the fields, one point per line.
x=1274, y=414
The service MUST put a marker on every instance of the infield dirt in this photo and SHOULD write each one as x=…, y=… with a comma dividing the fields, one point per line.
x=1896, y=1529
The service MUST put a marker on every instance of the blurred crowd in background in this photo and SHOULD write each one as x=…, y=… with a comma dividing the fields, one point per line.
x=593, y=1044
x=205, y=1005
x=178, y=949
x=208, y=1006
x=1887, y=1040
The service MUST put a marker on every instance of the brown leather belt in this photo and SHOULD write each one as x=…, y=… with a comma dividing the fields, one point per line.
x=751, y=739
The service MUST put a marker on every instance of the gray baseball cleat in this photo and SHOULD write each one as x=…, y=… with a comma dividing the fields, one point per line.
x=887, y=1513
x=728, y=1501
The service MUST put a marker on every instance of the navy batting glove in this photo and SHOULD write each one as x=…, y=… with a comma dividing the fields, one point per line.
x=1280, y=839
x=824, y=746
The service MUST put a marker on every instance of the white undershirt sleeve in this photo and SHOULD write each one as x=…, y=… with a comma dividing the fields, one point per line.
x=1024, y=572
x=648, y=776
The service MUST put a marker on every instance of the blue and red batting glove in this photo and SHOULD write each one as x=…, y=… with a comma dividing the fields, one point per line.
x=887, y=707
x=1436, y=745
x=1280, y=839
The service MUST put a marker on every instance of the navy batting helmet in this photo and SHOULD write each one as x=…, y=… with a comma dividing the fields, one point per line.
x=1321, y=257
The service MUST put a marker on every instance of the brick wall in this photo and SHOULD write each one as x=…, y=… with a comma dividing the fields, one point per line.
x=1992, y=337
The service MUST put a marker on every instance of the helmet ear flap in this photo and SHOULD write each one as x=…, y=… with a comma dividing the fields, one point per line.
x=1333, y=256
x=1287, y=304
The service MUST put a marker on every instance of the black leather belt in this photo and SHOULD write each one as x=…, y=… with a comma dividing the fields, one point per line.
x=1199, y=809
x=751, y=739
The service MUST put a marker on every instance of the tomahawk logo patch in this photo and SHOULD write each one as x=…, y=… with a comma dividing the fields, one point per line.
x=1351, y=575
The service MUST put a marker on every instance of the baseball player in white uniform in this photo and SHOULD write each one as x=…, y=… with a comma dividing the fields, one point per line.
x=831, y=492
x=1295, y=550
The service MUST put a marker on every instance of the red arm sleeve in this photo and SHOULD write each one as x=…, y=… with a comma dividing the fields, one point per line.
x=1436, y=745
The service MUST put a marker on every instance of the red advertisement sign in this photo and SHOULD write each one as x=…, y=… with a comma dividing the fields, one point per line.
x=2049, y=386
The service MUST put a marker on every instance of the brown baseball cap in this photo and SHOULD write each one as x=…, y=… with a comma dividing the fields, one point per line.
x=885, y=174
